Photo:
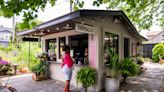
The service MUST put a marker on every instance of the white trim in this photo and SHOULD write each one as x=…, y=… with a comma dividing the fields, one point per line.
x=57, y=53
x=62, y=34
x=67, y=40
x=111, y=31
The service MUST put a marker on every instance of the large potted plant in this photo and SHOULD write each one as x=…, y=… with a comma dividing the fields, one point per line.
x=43, y=56
x=39, y=71
x=129, y=68
x=112, y=82
x=5, y=68
x=161, y=61
x=87, y=77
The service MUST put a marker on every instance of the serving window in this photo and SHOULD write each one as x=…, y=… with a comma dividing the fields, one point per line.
x=62, y=43
x=52, y=49
x=78, y=44
x=79, y=48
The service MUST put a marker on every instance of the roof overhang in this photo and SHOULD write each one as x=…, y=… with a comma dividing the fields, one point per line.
x=82, y=13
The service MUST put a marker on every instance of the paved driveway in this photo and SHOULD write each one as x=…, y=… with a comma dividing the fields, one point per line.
x=151, y=81
x=24, y=83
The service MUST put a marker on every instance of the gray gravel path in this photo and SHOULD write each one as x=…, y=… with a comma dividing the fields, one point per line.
x=150, y=81
x=24, y=83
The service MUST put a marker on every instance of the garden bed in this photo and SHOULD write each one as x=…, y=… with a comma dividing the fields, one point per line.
x=5, y=68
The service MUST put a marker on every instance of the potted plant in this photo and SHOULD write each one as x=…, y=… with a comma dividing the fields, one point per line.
x=87, y=77
x=161, y=61
x=43, y=56
x=5, y=68
x=112, y=82
x=24, y=69
x=39, y=71
x=129, y=68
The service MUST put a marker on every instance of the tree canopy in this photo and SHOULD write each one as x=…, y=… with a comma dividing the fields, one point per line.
x=27, y=25
x=142, y=13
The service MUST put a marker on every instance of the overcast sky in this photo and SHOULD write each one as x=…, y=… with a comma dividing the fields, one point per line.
x=62, y=7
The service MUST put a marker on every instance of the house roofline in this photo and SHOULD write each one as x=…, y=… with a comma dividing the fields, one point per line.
x=156, y=35
x=82, y=13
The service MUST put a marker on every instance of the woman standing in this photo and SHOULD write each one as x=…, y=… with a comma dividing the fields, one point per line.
x=67, y=67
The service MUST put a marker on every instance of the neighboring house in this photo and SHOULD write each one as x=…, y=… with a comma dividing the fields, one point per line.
x=153, y=38
x=94, y=30
x=5, y=36
x=151, y=34
x=158, y=37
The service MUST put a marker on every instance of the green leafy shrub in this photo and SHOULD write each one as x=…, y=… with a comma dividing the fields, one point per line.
x=87, y=77
x=158, y=52
x=43, y=56
x=140, y=60
x=147, y=59
x=22, y=58
x=129, y=68
x=5, y=68
x=39, y=69
x=113, y=64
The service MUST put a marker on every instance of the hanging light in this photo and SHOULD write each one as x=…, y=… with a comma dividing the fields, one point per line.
x=35, y=34
x=30, y=35
x=48, y=30
x=102, y=19
x=67, y=25
x=57, y=28
x=82, y=21
x=116, y=21
x=41, y=32
x=93, y=20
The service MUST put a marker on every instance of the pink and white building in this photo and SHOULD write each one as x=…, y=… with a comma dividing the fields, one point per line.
x=86, y=29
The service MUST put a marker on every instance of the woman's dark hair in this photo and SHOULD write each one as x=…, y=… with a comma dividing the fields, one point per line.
x=66, y=48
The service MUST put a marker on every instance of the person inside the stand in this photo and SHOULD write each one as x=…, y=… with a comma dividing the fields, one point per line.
x=67, y=67
x=86, y=61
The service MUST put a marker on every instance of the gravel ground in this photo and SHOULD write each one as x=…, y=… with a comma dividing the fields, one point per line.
x=24, y=83
x=150, y=81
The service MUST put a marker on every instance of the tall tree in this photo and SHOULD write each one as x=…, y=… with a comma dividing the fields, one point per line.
x=141, y=12
x=27, y=25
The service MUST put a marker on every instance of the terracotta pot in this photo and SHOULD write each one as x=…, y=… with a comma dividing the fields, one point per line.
x=161, y=61
x=24, y=70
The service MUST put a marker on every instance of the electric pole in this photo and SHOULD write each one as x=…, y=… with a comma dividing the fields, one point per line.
x=71, y=8
x=13, y=36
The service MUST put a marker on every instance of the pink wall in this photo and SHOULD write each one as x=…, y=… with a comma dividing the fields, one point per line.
x=92, y=51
